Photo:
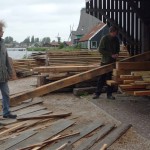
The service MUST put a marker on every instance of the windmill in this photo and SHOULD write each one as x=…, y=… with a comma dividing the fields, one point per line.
x=58, y=38
x=70, y=35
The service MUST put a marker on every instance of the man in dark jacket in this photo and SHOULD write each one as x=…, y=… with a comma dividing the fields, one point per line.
x=109, y=48
x=5, y=74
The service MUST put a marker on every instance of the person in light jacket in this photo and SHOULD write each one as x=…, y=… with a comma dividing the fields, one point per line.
x=5, y=75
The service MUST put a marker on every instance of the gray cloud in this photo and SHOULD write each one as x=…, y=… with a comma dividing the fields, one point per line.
x=40, y=17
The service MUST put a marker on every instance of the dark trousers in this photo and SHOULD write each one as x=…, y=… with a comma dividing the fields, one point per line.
x=102, y=82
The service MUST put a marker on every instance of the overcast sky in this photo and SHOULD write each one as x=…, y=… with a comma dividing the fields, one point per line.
x=41, y=18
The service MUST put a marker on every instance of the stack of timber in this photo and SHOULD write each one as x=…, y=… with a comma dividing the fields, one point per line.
x=63, y=64
x=133, y=77
x=72, y=80
x=23, y=67
x=39, y=128
x=77, y=57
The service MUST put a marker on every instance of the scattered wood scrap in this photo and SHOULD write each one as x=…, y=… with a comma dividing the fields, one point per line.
x=46, y=116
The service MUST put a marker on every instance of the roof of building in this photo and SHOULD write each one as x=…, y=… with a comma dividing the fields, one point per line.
x=94, y=31
x=54, y=43
x=86, y=23
x=69, y=43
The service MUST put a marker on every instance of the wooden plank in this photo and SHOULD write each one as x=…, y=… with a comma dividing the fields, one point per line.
x=142, y=93
x=104, y=147
x=45, y=134
x=46, y=116
x=140, y=73
x=111, y=82
x=58, y=137
x=21, y=106
x=133, y=66
x=28, y=110
x=70, y=80
x=128, y=81
x=132, y=87
x=11, y=129
x=112, y=137
x=140, y=57
x=40, y=112
x=13, y=141
x=83, y=132
x=62, y=83
x=120, y=72
x=130, y=77
x=47, y=69
x=89, y=142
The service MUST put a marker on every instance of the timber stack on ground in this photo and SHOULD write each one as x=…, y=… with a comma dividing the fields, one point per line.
x=133, y=77
x=24, y=67
x=61, y=65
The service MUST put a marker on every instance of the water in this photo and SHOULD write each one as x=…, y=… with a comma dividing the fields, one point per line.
x=18, y=53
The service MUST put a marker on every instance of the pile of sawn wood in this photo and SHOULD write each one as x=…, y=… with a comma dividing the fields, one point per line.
x=61, y=65
x=133, y=76
x=36, y=128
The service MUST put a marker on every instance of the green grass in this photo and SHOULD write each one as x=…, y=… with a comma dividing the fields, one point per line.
x=68, y=48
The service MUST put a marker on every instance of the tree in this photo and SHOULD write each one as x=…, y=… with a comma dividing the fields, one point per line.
x=36, y=40
x=27, y=41
x=8, y=40
x=46, y=40
x=32, y=39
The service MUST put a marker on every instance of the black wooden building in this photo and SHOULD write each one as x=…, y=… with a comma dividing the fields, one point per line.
x=132, y=17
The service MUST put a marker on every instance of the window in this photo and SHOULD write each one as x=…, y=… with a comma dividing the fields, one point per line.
x=93, y=44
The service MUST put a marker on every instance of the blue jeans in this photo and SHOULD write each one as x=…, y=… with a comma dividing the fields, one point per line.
x=5, y=97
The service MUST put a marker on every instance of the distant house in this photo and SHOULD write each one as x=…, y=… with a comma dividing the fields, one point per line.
x=91, y=40
x=46, y=45
x=68, y=43
x=54, y=44
x=86, y=23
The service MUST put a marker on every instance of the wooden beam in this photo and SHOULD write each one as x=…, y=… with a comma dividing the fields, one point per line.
x=47, y=69
x=142, y=93
x=62, y=83
x=112, y=137
x=140, y=57
x=133, y=66
x=72, y=80
x=46, y=116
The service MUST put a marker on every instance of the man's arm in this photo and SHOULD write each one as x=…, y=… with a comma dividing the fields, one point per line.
x=8, y=65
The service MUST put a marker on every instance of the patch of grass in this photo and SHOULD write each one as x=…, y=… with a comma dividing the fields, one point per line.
x=38, y=49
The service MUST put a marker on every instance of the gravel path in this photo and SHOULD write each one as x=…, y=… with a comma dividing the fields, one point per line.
x=128, y=109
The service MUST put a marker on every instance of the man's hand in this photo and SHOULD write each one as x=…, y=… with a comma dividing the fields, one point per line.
x=115, y=56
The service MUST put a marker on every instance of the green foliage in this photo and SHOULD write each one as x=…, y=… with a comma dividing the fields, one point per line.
x=46, y=40
x=32, y=39
x=37, y=49
x=61, y=45
x=8, y=40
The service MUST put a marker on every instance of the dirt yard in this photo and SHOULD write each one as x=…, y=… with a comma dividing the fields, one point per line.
x=123, y=109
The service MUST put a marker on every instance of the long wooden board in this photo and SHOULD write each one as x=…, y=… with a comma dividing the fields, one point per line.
x=62, y=83
x=133, y=66
x=142, y=93
x=83, y=132
x=112, y=137
x=21, y=106
x=45, y=134
x=48, y=69
x=89, y=142
x=72, y=80
x=29, y=110
x=13, y=141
